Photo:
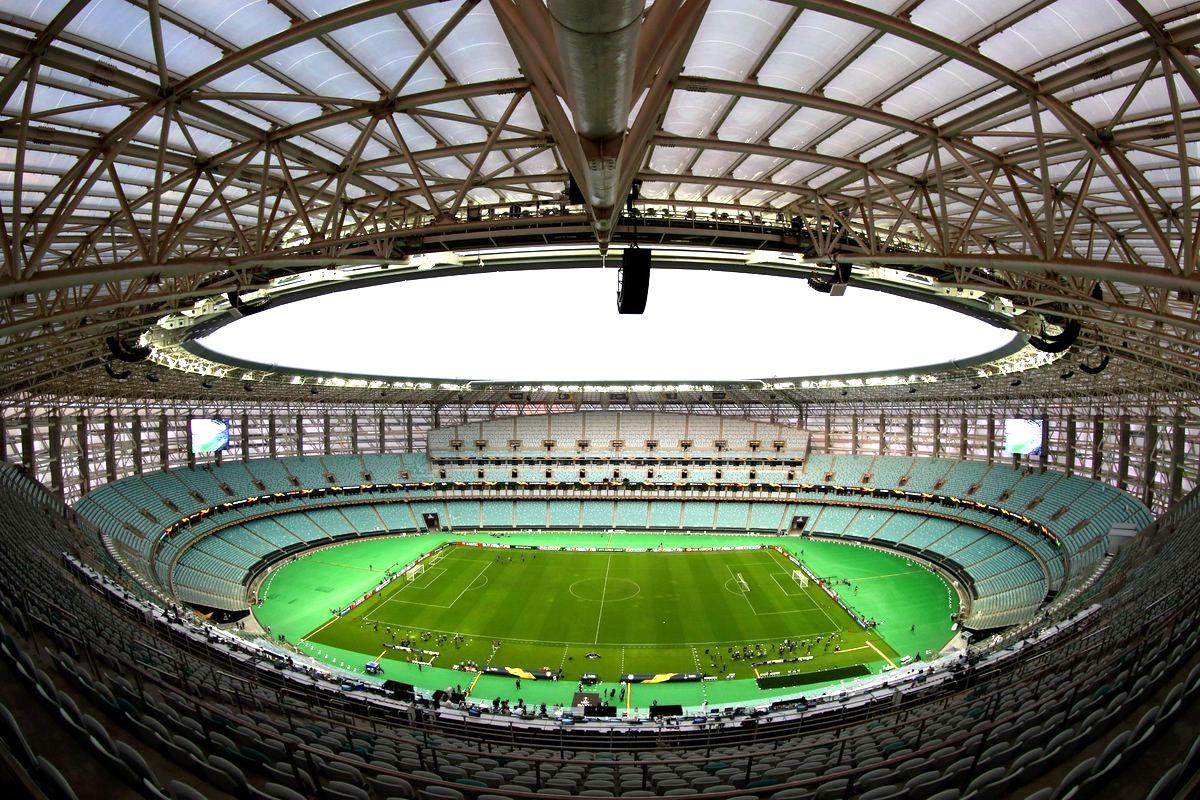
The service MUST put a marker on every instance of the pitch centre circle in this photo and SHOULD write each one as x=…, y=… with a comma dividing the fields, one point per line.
x=595, y=589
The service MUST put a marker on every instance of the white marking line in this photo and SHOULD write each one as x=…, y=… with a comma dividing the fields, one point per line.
x=746, y=596
x=603, y=591
x=823, y=611
x=434, y=572
x=812, y=603
x=334, y=619
x=467, y=588
x=817, y=605
x=887, y=575
x=741, y=591
x=420, y=582
x=405, y=602
x=395, y=599
x=757, y=613
x=783, y=587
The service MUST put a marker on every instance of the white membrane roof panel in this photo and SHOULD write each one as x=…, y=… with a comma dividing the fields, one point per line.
x=733, y=36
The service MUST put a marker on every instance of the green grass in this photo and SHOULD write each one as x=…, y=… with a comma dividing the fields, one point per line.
x=649, y=612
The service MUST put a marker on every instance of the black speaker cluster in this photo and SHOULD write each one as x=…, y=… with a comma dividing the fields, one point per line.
x=242, y=308
x=1098, y=367
x=115, y=374
x=120, y=350
x=124, y=351
x=1060, y=342
x=634, y=280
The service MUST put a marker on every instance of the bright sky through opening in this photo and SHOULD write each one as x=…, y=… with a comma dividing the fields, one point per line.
x=562, y=325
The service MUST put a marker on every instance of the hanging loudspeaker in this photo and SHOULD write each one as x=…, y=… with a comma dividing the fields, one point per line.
x=633, y=280
x=129, y=353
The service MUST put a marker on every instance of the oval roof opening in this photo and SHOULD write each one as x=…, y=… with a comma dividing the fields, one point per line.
x=562, y=325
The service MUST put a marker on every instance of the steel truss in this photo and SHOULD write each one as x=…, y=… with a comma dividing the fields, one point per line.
x=186, y=187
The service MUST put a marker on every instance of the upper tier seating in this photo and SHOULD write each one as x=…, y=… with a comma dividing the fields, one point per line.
x=526, y=436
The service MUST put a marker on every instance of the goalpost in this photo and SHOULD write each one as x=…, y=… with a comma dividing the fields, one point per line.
x=800, y=578
x=417, y=571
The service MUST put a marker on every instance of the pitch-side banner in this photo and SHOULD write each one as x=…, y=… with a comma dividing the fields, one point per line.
x=662, y=677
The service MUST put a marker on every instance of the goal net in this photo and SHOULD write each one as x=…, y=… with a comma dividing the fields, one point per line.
x=417, y=571
x=800, y=578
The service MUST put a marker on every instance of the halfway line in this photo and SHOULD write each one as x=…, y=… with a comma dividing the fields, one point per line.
x=603, y=592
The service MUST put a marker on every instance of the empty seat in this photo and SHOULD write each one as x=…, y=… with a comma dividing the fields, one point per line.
x=179, y=790
x=440, y=793
x=341, y=790
x=52, y=781
x=390, y=786
x=278, y=791
x=884, y=793
x=10, y=734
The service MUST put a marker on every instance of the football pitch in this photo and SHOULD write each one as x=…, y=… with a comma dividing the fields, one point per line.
x=733, y=615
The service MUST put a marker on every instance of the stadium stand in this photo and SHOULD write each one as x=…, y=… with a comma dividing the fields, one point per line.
x=1040, y=713
x=1012, y=569
x=979, y=515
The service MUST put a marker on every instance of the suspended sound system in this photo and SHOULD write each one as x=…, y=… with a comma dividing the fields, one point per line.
x=123, y=351
x=112, y=373
x=841, y=279
x=242, y=308
x=1100, y=366
x=1060, y=342
x=819, y=284
x=836, y=284
x=633, y=280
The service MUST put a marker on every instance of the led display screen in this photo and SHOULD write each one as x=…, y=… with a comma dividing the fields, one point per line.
x=209, y=434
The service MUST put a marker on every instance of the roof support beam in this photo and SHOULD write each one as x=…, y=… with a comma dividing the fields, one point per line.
x=529, y=31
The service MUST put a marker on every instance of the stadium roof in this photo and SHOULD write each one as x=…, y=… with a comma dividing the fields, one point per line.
x=1039, y=153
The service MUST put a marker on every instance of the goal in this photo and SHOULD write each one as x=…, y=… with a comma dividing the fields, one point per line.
x=417, y=571
x=742, y=583
x=800, y=578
